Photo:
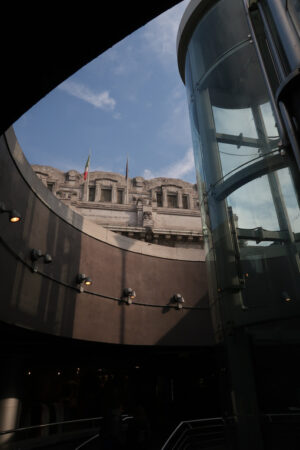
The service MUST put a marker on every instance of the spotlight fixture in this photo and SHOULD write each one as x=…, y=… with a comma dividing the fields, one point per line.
x=128, y=295
x=36, y=255
x=82, y=279
x=285, y=297
x=13, y=215
x=179, y=300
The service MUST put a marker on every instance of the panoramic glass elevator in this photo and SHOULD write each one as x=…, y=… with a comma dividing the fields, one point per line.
x=240, y=62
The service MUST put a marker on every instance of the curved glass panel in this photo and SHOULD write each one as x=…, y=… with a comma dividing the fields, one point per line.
x=234, y=95
x=207, y=45
x=293, y=7
x=252, y=216
x=253, y=205
x=290, y=199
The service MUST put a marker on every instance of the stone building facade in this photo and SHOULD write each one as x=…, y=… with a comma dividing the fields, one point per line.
x=162, y=211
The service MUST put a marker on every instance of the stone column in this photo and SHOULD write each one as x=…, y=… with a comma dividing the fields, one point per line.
x=114, y=193
x=126, y=193
x=153, y=197
x=164, y=197
x=10, y=396
x=85, y=195
x=97, y=191
x=179, y=198
x=139, y=209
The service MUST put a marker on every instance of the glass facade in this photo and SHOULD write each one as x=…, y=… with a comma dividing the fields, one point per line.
x=244, y=173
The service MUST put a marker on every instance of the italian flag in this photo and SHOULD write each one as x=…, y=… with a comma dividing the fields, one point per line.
x=86, y=169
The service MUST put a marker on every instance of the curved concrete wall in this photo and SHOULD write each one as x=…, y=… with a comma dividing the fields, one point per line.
x=49, y=300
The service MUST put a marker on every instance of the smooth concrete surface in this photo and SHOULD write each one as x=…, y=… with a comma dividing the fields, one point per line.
x=49, y=300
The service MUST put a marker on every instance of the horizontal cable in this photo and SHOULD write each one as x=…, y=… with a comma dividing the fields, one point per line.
x=96, y=294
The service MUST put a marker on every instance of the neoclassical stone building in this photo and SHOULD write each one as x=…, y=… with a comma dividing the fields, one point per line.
x=162, y=211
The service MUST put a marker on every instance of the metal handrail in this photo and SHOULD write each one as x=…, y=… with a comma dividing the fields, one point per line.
x=87, y=441
x=124, y=419
x=34, y=427
x=188, y=422
x=270, y=416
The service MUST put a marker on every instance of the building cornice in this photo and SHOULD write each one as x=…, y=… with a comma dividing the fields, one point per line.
x=85, y=225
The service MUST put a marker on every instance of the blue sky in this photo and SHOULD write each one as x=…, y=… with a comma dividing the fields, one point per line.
x=128, y=101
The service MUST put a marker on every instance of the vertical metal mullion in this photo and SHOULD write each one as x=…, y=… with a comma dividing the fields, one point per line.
x=271, y=43
x=280, y=126
x=289, y=38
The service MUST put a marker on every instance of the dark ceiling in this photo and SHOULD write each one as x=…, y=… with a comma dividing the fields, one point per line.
x=44, y=44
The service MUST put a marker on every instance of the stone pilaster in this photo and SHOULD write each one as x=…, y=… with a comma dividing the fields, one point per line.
x=98, y=191
x=139, y=209
x=114, y=197
x=85, y=195
x=126, y=193
x=179, y=198
x=164, y=197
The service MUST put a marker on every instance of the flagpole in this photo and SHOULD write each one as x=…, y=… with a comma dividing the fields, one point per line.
x=126, y=176
x=86, y=179
x=88, y=175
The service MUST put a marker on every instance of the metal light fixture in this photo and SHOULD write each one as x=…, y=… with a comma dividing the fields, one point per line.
x=128, y=295
x=36, y=255
x=82, y=279
x=179, y=300
x=285, y=297
x=13, y=215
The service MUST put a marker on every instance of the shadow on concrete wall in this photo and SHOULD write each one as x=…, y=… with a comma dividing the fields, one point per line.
x=49, y=301
x=31, y=299
x=196, y=323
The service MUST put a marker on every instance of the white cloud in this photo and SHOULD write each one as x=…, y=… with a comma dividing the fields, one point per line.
x=178, y=169
x=101, y=100
x=176, y=128
x=148, y=174
x=161, y=33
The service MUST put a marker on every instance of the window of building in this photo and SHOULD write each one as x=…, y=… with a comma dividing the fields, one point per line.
x=172, y=201
x=105, y=195
x=92, y=194
x=50, y=186
x=120, y=196
x=185, y=203
x=159, y=199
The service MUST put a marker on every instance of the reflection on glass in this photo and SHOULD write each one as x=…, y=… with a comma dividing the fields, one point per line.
x=217, y=18
x=294, y=11
x=234, y=121
x=253, y=205
x=241, y=139
x=251, y=225
x=290, y=198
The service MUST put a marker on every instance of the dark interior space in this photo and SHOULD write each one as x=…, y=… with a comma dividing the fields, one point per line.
x=61, y=379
